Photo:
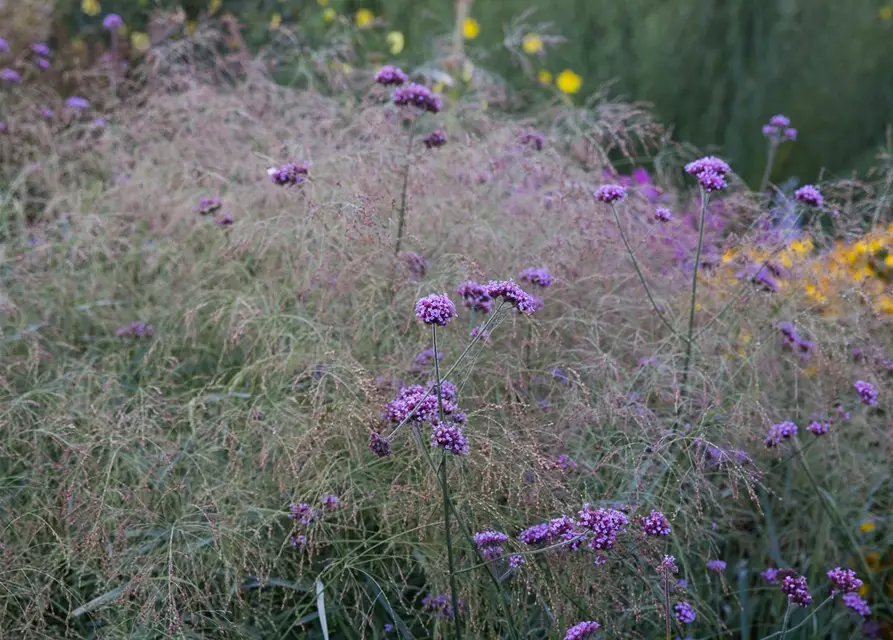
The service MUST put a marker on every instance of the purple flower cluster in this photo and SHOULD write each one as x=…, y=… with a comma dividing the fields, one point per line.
x=710, y=172
x=656, y=524
x=475, y=296
x=331, y=501
x=302, y=513
x=415, y=400
x=379, y=446
x=532, y=138
x=582, y=630
x=605, y=524
x=779, y=432
x=818, y=428
x=436, y=138
x=441, y=606
x=289, y=174
x=550, y=532
x=843, y=580
x=112, y=21
x=77, y=103
x=667, y=566
x=436, y=309
x=419, y=96
x=224, y=220
x=536, y=276
x=717, y=566
x=425, y=357
x=770, y=575
x=40, y=49
x=609, y=193
x=796, y=589
x=662, y=214
x=779, y=129
x=208, y=204
x=9, y=75
x=809, y=196
x=516, y=561
x=791, y=339
x=867, y=392
x=449, y=437
x=855, y=602
x=390, y=75
x=136, y=329
x=490, y=542
x=565, y=463
x=514, y=295
x=416, y=264
x=685, y=613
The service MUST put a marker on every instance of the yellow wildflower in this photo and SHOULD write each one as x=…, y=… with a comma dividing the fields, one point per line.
x=329, y=15
x=569, y=82
x=544, y=76
x=91, y=7
x=471, y=28
x=801, y=247
x=785, y=260
x=885, y=305
x=867, y=527
x=396, y=42
x=214, y=6
x=729, y=255
x=438, y=87
x=532, y=44
x=322, y=3
x=140, y=41
x=885, y=12
x=275, y=21
x=863, y=590
x=364, y=18
x=873, y=560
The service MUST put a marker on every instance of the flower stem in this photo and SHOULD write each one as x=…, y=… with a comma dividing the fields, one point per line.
x=787, y=614
x=694, y=292
x=667, y=605
x=401, y=220
x=770, y=161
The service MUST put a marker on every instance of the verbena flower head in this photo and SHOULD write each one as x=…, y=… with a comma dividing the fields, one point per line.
x=390, y=75
x=490, y=542
x=867, y=392
x=565, y=463
x=8, y=75
x=662, y=214
x=770, y=575
x=40, y=49
x=330, y=501
x=516, y=561
x=532, y=138
x=415, y=401
x=843, y=580
x=796, y=589
x=582, y=630
x=302, y=513
x=475, y=296
x=136, y=329
x=605, y=524
x=425, y=357
x=298, y=540
x=710, y=172
x=379, y=446
x=818, y=428
x=112, y=22
x=667, y=566
x=609, y=193
x=855, y=602
x=436, y=138
x=537, y=276
x=513, y=294
x=537, y=534
x=712, y=181
x=779, y=129
x=780, y=121
x=77, y=103
x=441, y=605
x=416, y=95
x=208, y=204
x=449, y=437
x=479, y=332
x=436, y=309
x=779, y=432
x=809, y=195
x=416, y=264
x=656, y=524
x=448, y=390
x=790, y=134
x=289, y=174
x=43, y=63
x=224, y=220
x=685, y=613
x=717, y=566
x=4, y=46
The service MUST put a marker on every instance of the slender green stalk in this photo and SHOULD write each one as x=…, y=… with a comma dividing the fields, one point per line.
x=787, y=614
x=667, y=614
x=632, y=256
x=705, y=196
x=770, y=162
x=445, y=492
x=401, y=220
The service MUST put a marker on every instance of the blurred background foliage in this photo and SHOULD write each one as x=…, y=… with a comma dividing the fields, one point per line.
x=714, y=70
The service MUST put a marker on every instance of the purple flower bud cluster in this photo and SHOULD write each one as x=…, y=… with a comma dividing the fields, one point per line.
x=490, y=543
x=415, y=400
x=475, y=296
x=289, y=174
x=436, y=138
x=514, y=295
x=605, y=525
x=516, y=561
x=9, y=75
x=545, y=533
x=136, y=329
x=855, y=602
x=717, y=566
x=331, y=501
x=667, y=566
x=779, y=129
x=440, y=605
x=760, y=275
x=662, y=214
x=419, y=96
x=208, y=204
x=40, y=49
x=796, y=589
x=609, y=193
x=449, y=437
x=224, y=220
x=390, y=75
x=536, y=276
x=867, y=392
x=112, y=21
x=770, y=575
x=77, y=103
x=791, y=339
x=582, y=630
x=809, y=196
x=565, y=463
x=710, y=172
x=779, y=432
x=818, y=428
x=532, y=138
x=843, y=580
x=436, y=309
x=685, y=613
x=379, y=446
x=656, y=524
x=425, y=357
x=302, y=513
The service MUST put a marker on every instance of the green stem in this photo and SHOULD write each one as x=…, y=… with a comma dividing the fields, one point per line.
x=402, y=215
x=667, y=613
x=705, y=196
x=787, y=614
x=632, y=256
x=770, y=161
